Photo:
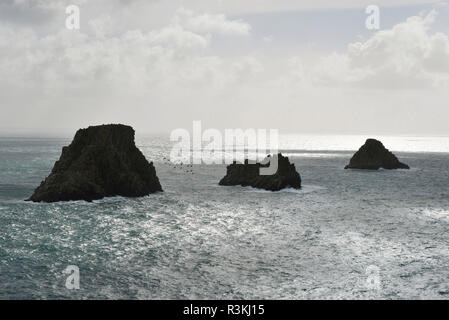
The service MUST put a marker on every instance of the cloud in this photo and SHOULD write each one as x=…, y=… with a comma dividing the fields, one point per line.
x=100, y=55
x=96, y=75
x=210, y=23
x=162, y=78
x=405, y=56
x=177, y=36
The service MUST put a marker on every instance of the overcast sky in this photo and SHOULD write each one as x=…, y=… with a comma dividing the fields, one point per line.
x=297, y=66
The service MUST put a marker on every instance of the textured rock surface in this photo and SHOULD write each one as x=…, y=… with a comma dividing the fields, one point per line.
x=373, y=155
x=101, y=161
x=248, y=174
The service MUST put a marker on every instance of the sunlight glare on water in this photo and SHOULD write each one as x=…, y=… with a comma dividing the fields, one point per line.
x=199, y=240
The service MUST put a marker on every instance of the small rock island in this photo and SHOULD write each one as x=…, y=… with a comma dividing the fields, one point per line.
x=102, y=161
x=248, y=174
x=373, y=156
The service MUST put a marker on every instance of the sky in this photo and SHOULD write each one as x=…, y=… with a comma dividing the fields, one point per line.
x=296, y=66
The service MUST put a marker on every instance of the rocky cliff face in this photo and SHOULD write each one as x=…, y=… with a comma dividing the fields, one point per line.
x=102, y=161
x=373, y=155
x=248, y=174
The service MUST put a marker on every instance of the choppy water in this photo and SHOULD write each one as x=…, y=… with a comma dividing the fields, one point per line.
x=199, y=240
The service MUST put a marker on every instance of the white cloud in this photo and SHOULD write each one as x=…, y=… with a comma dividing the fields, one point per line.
x=406, y=56
x=179, y=37
x=101, y=25
x=165, y=77
x=210, y=23
x=99, y=76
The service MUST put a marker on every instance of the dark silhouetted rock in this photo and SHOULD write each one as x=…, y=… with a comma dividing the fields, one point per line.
x=102, y=161
x=373, y=155
x=248, y=174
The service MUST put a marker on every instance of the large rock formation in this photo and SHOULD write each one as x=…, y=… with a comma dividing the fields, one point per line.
x=248, y=174
x=373, y=155
x=101, y=161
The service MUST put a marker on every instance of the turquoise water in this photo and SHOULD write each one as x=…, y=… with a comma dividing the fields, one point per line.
x=199, y=240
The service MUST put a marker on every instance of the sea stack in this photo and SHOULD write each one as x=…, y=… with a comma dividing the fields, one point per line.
x=102, y=161
x=373, y=155
x=248, y=174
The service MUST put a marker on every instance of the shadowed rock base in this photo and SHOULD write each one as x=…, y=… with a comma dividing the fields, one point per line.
x=102, y=161
x=373, y=156
x=248, y=174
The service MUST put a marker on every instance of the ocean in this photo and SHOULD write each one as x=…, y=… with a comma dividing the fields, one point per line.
x=347, y=234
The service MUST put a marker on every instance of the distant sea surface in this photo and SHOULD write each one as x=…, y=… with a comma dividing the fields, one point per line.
x=348, y=234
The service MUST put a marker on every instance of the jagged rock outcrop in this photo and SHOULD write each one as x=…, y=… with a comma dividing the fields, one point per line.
x=373, y=155
x=102, y=161
x=248, y=174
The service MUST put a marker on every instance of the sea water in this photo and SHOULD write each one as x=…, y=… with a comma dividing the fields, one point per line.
x=345, y=234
